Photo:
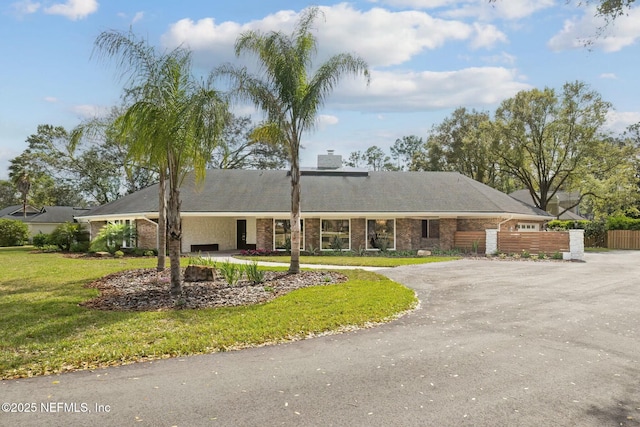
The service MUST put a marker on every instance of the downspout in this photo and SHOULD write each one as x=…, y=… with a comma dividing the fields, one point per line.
x=506, y=220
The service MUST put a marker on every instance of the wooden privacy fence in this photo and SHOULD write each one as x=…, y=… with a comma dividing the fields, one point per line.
x=623, y=239
x=466, y=240
x=534, y=242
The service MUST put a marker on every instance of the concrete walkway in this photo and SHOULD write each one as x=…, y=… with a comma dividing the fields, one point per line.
x=493, y=343
x=220, y=258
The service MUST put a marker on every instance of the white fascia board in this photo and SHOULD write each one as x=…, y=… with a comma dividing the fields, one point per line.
x=333, y=214
x=138, y=215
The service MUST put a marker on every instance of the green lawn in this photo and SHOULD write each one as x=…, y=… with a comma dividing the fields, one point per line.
x=45, y=331
x=361, y=261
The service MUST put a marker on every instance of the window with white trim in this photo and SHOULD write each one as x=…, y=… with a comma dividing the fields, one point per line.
x=528, y=226
x=282, y=234
x=381, y=234
x=430, y=229
x=335, y=234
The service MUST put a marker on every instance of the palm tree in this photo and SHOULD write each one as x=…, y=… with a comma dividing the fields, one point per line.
x=20, y=175
x=290, y=94
x=173, y=123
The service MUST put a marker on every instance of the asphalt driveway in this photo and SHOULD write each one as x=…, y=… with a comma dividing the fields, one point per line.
x=494, y=343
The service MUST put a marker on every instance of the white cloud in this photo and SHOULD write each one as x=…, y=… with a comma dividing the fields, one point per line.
x=87, y=111
x=619, y=121
x=577, y=33
x=608, y=76
x=73, y=9
x=480, y=9
x=501, y=58
x=25, y=7
x=51, y=99
x=382, y=37
x=325, y=120
x=137, y=17
x=429, y=91
x=487, y=36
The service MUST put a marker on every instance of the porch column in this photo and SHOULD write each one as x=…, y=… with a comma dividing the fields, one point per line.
x=491, y=243
x=576, y=244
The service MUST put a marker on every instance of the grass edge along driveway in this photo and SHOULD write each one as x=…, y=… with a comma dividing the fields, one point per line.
x=354, y=261
x=45, y=331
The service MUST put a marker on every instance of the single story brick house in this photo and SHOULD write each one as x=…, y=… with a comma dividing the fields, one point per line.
x=349, y=209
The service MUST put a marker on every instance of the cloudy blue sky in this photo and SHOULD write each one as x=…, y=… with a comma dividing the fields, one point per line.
x=427, y=57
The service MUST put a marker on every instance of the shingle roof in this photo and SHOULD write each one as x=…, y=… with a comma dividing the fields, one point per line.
x=257, y=191
x=48, y=214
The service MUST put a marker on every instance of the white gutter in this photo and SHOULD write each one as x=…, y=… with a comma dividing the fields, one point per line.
x=506, y=220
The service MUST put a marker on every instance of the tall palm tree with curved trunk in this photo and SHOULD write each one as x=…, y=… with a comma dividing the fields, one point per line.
x=173, y=122
x=290, y=92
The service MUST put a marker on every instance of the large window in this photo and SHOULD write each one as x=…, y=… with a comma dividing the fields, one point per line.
x=430, y=229
x=128, y=233
x=381, y=234
x=334, y=234
x=282, y=234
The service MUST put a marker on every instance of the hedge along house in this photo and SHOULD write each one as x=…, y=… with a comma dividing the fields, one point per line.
x=348, y=209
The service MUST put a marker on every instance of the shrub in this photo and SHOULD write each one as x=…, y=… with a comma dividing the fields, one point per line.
x=79, y=247
x=149, y=253
x=622, y=223
x=311, y=250
x=336, y=243
x=40, y=240
x=111, y=237
x=65, y=235
x=382, y=244
x=200, y=260
x=254, y=274
x=118, y=254
x=258, y=252
x=231, y=272
x=13, y=232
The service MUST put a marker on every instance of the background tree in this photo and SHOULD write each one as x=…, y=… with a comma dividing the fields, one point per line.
x=404, y=150
x=356, y=160
x=544, y=138
x=173, y=123
x=608, y=181
x=289, y=94
x=239, y=150
x=378, y=160
x=21, y=172
x=8, y=194
x=463, y=143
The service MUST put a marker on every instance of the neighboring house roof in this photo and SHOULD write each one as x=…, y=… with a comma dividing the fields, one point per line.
x=16, y=212
x=48, y=214
x=334, y=191
x=564, y=199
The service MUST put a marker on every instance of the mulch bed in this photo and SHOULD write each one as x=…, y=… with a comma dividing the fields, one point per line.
x=148, y=290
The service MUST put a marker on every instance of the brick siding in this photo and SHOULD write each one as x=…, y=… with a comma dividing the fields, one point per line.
x=264, y=234
x=147, y=234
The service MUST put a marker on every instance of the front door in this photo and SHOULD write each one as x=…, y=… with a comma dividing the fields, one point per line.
x=241, y=228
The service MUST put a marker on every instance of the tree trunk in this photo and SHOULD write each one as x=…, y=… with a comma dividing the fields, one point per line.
x=174, y=227
x=162, y=221
x=294, y=266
